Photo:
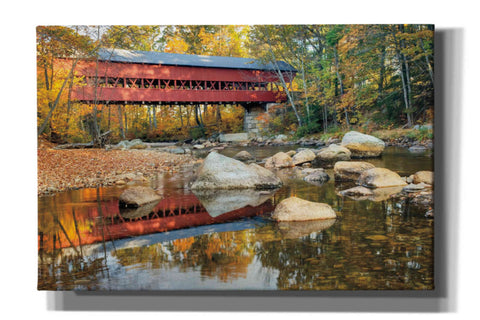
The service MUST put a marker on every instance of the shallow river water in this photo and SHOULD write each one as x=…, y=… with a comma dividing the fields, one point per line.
x=227, y=241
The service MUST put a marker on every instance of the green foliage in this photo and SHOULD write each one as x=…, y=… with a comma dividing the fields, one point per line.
x=420, y=134
x=196, y=133
x=344, y=72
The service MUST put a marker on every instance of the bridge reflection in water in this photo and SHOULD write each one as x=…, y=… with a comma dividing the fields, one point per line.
x=103, y=221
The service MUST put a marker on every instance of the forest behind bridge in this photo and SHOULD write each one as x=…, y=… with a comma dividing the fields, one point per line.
x=362, y=77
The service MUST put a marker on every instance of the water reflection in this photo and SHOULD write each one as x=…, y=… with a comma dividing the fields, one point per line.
x=227, y=241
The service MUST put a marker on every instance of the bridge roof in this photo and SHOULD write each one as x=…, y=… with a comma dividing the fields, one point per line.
x=190, y=60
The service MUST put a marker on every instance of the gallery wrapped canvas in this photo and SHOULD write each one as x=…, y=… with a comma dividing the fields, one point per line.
x=235, y=157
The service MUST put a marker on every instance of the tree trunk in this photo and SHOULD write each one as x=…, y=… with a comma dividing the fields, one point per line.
x=149, y=115
x=125, y=119
x=54, y=105
x=427, y=60
x=305, y=92
x=404, y=84
x=340, y=82
x=109, y=113
x=218, y=113
x=154, y=111
x=69, y=106
x=120, y=121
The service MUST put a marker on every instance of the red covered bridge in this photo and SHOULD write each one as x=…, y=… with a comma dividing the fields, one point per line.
x=155, y=78
x=141, y=77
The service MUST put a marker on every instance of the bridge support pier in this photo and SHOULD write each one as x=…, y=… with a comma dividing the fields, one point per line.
x=255, y=120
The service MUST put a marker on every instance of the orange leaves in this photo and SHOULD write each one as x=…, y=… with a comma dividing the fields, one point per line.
x=60, y=170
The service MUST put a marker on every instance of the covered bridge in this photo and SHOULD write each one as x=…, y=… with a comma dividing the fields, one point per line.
x=155, y=78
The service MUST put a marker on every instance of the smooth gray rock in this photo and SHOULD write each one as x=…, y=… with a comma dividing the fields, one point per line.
x=234, y=137
x=362, y=145
x=244, y=156
x=221, y=172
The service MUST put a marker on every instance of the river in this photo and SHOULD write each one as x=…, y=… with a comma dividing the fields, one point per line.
x=191, y=242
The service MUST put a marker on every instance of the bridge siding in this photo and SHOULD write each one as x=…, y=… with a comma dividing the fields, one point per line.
x=124, y=70
x=170, y=95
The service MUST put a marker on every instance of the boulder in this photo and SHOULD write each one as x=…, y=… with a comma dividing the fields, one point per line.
x=317, y=177
x=378, y=194
x=332, y=154
x=280, y=138
x=303, y=156
x=244, y=156
x=296, y=209
x=175, y=150
x=357, y=191
x=423, y=176
x=198, y=146
x=138, y=196
x=380, y=178
x=221, y=172
x=417, y=149
x=291, y=153
x=234, y=137
x=279, y=160
x=133, y=144
x=363, y=145
x=350, y=170
x=134, y=213
x=414, y=187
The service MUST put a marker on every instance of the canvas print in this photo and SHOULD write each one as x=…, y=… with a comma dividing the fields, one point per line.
x=235, y=157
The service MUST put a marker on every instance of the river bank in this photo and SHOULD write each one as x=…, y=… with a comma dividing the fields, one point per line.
x=61, y=170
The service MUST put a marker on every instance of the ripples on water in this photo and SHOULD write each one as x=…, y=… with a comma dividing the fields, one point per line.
x=85, y=243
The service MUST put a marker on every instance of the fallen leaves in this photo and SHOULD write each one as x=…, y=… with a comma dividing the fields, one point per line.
x=60, y=170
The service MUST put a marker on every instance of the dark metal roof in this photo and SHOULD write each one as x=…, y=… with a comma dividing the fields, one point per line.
x=175, y=59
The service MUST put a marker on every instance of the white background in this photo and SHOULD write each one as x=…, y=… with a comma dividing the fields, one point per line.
x=18, y=128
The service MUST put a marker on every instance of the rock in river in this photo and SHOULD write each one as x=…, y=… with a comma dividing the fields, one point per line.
x=357, y=191
x=244, y=156
x=423, y=176
x=303, y=156
x=363, y=145
x=221, y=172
x=138, y=196
x=317, y=177
x=350, y=170
x=379, y=178
x=332, y=154
x=279, y=160
x=296, y=209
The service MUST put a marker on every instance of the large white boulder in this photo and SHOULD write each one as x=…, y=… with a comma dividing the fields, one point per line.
x=362, y=145
x=221, y=172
